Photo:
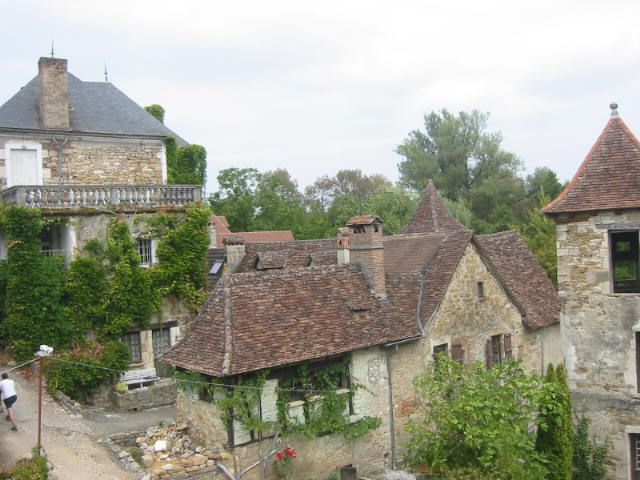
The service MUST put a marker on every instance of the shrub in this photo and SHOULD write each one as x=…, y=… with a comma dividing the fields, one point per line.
x=80, y=381
x=34, y=468
x=588, y=456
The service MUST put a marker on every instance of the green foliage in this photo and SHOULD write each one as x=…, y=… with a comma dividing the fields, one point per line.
x=182, y=255
x=34, y=287
x=235, y=198
x=555, y=425
x=157, y=111
x=477, y=419
x=132, y=297
x=86, y=295
x=540, y=234
x=78, y=381
x=34, y=468
x=588, y=456
x=189, y=166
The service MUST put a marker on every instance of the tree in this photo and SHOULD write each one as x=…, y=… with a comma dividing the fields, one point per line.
x=477, y=420
x=555, y=429
x=456, y=152
x=588, y=456
x=543, y=183
x=236, y=197
x=157, y=111
x=540, y=234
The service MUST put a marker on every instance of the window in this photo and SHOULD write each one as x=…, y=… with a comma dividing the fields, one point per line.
x=634, y=455
x=457, y=352
x=144, y=251
x=480, y=289
x=132, y=341
x=216, y=267
x=24, y=163
x=624, y=261
x=498, y=349
x=442, y=349
x=161, y=340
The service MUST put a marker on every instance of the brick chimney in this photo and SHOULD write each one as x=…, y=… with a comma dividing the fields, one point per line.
x=366, y=247
x=54, y=93
x=343, y=246
x=234, y=253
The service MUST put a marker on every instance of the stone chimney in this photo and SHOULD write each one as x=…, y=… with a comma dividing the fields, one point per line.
x=366, y=247
x=343, y=246
x=234, y=253
x=54, y=93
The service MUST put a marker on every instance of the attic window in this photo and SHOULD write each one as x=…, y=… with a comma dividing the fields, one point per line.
x=358, y=229
x=480, y=289
x=215, y=268
x=624, y=261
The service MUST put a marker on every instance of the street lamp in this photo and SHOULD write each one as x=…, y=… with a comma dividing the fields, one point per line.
x=44, y=352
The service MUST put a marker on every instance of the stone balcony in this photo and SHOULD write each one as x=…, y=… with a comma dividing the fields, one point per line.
x=75, y=198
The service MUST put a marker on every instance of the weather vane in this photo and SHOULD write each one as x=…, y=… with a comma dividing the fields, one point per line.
x=106, y=74
x=52, y=52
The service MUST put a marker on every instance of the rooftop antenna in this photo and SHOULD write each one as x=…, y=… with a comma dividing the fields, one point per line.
x=52, y=51
x=106, y=74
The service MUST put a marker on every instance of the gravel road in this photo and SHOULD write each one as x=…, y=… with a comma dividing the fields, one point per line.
x=69, y=443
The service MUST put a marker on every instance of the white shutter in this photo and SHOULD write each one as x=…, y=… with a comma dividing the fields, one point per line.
x=24, y=167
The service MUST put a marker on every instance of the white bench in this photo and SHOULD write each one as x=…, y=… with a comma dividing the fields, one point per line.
x=140, y=377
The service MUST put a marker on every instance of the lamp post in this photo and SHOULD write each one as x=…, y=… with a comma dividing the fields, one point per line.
x=44, y=352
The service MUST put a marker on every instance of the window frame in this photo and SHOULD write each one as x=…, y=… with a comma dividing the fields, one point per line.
x=151, y=251
x=615, y=257
x=132, y=335
x=25, y=145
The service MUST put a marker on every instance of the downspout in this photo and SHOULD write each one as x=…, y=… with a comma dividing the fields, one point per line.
x=59, y=147
x=392, y=423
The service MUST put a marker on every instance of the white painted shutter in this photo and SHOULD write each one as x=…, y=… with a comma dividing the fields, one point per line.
x=24, y=167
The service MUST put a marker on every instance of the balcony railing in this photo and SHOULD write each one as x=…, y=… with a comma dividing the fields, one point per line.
x=101, y=196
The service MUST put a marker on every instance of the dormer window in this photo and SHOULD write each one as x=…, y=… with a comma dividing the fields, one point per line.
x=624, y=261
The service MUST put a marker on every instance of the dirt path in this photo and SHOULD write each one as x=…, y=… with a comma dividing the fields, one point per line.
x=66, y=441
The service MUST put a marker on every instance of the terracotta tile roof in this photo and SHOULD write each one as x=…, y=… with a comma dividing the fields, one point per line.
x=410, y=253
x=222, y=231
x=522, y=276
x=269, y=260
x=363, y=220
x=432, y=216
x=609, y=177
x=299, y=254
x=262, y=320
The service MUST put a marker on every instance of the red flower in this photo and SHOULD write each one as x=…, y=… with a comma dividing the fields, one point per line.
x=279, y=456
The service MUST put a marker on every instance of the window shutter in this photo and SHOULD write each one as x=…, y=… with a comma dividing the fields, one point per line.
x=457, y=354
x=508, y=350
x=488, y=353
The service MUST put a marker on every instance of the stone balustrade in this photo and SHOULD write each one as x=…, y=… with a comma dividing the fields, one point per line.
x=101, y=196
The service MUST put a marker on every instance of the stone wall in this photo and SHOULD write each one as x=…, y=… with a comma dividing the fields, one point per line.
x=93, y=160
x=598, y=331
x=317, y=457
x=161, y=393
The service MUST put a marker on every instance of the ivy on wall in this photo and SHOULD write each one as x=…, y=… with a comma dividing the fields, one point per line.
x=326, y=404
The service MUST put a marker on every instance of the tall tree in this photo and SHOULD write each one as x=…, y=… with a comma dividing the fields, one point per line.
x=189, y=166
x=279, y=203
x=456, y=152
x=236, y=197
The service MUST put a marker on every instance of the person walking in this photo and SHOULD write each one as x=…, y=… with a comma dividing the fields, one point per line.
x=8, y=392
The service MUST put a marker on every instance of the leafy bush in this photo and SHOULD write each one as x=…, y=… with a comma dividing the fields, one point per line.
x=478, y=420
x=588, y=456
x=79, y=381
x=34, y=468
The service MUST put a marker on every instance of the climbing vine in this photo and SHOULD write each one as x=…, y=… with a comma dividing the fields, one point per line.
x=325, y=407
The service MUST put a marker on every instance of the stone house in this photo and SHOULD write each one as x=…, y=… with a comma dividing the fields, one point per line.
x=83, y=152
x=388, y=304
x=597, y=220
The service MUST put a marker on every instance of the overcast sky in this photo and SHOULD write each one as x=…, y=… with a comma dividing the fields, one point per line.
x=315, y=87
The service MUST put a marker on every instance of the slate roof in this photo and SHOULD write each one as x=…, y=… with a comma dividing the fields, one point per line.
x=256, y=321
x=522, y=276
x=609, y=177
x=95, y=107
x=432, y=216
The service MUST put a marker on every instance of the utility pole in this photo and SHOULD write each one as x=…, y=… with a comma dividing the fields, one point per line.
x=44, y=352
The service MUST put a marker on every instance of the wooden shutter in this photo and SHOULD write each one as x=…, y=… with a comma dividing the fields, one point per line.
x=457, y=354
x=488, y=353
x=638, y=361
x=508, y=349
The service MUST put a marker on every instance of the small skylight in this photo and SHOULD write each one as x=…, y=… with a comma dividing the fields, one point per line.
x=215, y=268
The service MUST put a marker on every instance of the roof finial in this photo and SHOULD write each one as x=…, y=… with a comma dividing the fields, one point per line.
x=106, y=74
x=52, y=51
x=614, y=109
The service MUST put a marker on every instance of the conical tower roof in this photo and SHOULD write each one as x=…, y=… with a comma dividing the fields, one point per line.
x=432, y=216
x=609, y=177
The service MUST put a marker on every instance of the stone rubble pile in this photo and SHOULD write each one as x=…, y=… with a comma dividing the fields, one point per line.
x=168, y=452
